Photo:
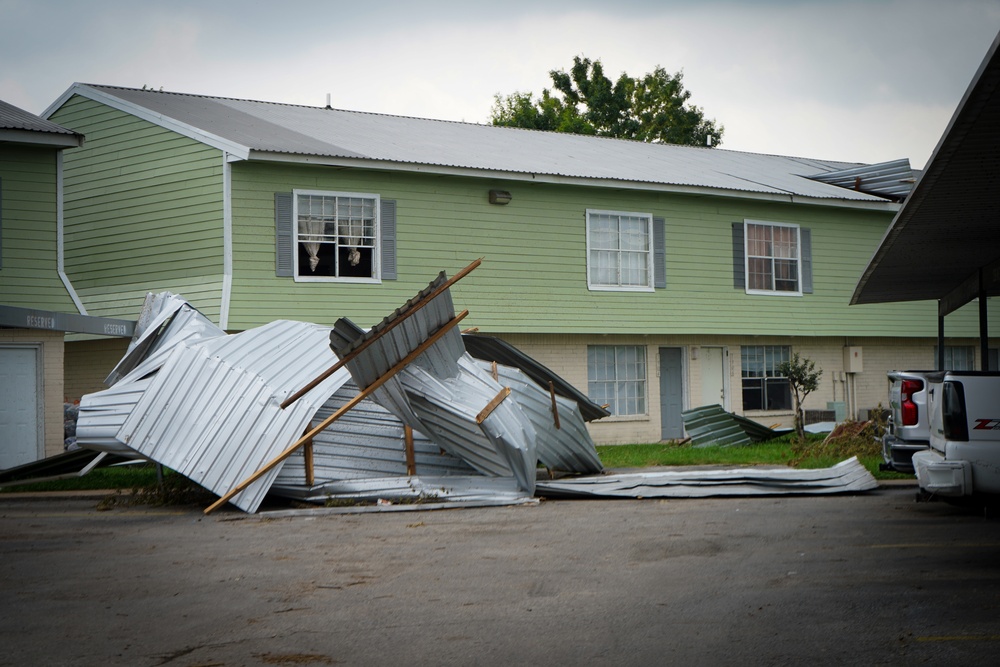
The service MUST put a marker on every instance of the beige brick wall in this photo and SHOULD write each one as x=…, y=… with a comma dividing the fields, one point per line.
x=88, y=362
x=567, y=356
x=50, y=346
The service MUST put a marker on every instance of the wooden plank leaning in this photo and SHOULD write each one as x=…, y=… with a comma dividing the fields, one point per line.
x=340, y=364
x=370, y=389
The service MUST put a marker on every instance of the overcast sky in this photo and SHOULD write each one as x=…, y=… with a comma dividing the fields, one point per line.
x=860, y=81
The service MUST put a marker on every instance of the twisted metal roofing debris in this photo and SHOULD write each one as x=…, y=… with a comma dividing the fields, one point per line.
x=711, y=425
x=368, y=442
x=213, y=414
x=489, y=348
x=210, y=407
x=846, y=477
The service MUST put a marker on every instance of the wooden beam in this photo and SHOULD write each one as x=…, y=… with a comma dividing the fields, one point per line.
x=361, y=348
x=555, y=406
x=411, y=459
x=307, y=453
x=492, y=405
x=370, y=389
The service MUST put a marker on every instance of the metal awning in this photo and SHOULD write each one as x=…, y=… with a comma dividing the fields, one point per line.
x=944, y=243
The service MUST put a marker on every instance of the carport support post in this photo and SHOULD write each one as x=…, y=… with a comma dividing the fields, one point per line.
x=984, y=334
x=940, y=350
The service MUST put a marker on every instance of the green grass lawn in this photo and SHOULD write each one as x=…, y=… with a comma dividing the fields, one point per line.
x=813, y=453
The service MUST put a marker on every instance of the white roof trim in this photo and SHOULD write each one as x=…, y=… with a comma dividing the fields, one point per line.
x=233, y=149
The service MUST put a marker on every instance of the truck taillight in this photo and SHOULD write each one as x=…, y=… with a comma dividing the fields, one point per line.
x=956, y=426
x=908, y=408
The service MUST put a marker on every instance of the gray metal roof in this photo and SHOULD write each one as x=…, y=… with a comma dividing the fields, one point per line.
x=23, y=127
x=264, y=130
x=948, y=231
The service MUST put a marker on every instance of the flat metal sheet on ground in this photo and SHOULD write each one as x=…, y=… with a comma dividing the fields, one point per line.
x=846, y=477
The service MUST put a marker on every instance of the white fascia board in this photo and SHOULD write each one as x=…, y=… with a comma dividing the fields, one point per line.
x=443, y=170
x=233, y=149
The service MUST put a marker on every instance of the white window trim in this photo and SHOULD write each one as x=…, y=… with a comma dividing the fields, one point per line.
x=649, y=287
x=746, y=257
x=637, y=416
x=376, y=251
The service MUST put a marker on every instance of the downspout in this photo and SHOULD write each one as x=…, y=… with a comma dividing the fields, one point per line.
x=60, y=240
x=227, y=241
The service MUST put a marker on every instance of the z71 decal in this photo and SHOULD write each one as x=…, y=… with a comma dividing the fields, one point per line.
x=987, y=425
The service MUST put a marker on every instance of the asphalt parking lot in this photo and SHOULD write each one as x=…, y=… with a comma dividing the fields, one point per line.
x=867, y=579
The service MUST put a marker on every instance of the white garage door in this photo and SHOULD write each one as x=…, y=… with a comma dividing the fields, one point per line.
x=20, y=423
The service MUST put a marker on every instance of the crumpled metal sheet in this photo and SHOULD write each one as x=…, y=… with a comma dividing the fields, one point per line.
x=566, y=446
x=213, y=414
x=367, y=442
x=441, y=393
x=848, y=476
x=165, y=321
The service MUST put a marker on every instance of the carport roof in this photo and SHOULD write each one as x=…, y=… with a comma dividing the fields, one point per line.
x=947, y=233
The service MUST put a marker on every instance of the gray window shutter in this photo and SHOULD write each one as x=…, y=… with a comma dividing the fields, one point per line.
x=739, y=257
x=659, y=253
x=388, y=221
x=284, y=264
x=805, y=238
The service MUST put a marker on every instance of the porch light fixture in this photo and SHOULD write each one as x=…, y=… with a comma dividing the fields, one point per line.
x=501, y=197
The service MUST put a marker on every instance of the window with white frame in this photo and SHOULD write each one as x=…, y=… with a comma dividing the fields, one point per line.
x=773, y=258
x=616, y=377
x=764, y=388
x=336, y=235
x=619, y=250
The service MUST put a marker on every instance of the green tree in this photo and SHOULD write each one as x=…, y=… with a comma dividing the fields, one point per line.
x=653, y=108
x=803, y=378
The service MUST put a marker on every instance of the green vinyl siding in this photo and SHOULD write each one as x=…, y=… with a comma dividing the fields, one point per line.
x=29, y=275
x=144, y=212
x=533, y=278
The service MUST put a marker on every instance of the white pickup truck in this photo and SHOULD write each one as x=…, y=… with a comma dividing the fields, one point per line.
x=908, y=428
x=963, y=458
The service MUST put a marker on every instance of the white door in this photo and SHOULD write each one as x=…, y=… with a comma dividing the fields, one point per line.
x=713, y=376
x=20, y=423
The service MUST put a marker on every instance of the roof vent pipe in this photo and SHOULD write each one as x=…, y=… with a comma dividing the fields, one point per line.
x=328, y=101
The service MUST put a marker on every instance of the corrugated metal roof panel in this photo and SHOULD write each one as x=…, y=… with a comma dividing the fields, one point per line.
x=368, y=441
x=165, y=321
x=488, y=348
x=345, y=135
x=212, y=411
x=846, y=477
x=566, y=448
x=893, y=179
x=425, y=492
x=103, y=413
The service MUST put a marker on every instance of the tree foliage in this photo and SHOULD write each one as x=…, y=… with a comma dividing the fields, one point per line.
x=803, y=378
x=653, y=108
